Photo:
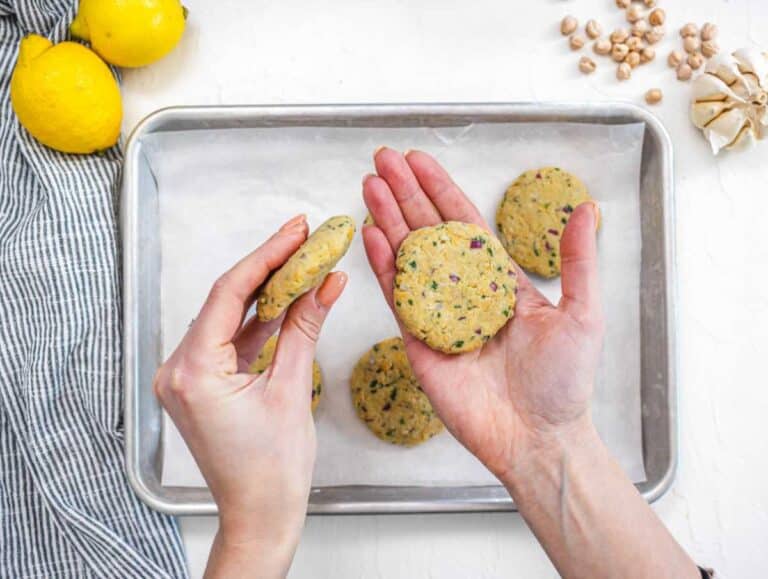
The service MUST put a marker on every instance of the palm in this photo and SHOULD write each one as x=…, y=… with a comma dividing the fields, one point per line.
x=535, y=373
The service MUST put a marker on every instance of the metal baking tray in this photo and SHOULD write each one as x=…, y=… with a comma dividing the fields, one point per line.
x=141, y=294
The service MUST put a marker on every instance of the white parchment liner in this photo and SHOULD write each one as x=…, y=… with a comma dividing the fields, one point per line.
x=223, y=192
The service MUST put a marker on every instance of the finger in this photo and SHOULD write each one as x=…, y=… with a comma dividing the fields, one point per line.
x=450, y=201
x=415, y=206
x=381, y=258
x=292, y=365
x=384, y=209
x=251, y=338
x=232, y=294
x=578, y=255
x=382, y=262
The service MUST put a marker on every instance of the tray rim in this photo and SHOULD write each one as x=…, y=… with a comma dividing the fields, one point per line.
x=527, y=111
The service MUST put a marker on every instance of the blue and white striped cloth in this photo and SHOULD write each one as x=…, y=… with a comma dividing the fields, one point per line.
x=65, y=507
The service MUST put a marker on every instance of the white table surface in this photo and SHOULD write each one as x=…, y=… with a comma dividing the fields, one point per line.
x=349, y=51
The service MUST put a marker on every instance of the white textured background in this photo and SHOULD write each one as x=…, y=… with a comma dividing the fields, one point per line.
x=247, y=52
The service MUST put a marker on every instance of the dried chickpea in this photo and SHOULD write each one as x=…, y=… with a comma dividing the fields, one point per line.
x=695, y=60
x=593, y=29
x=684, y=72
x=633, y=59
x=576, y=42
x=619, y=35
x=587, y=65
x=623, y=4
x=708, y=31
x=634, y=13
x=649, y=3
x=635, y=43
x=689, y=29
x=675, y=58
x=691, y=44
x=639, y=28
x=657, y=17
x=602, y=46
x=568, y=25
x=647, y=54
x=655, y=34
x=709, y=48
x=619, y=52
x=624, y=71
x=653, y=96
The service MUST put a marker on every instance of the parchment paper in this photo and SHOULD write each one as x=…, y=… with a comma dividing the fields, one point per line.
x=223, y=191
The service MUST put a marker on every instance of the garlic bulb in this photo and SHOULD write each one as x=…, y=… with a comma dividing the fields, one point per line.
x=730, y=100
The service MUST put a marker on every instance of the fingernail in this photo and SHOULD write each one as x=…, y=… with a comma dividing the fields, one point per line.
x=379, y=149
x=293, y=222
x=407, y=152
x=299, y=225
x=366, y=177
x=596, y=213
x=331, y=288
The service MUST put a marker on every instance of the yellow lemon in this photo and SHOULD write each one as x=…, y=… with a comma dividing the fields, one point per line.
x=65, y=96
x=130, y=33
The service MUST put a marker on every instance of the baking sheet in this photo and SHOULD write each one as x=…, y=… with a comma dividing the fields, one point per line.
x=222, y=192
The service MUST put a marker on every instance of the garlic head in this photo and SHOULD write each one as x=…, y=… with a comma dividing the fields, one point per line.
x=730, y=100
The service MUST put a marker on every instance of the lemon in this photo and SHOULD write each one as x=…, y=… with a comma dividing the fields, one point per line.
x=130, y=33
x=65, y=96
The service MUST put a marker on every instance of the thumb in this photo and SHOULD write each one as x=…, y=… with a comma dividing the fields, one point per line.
x=292, y=364
x=578, y=258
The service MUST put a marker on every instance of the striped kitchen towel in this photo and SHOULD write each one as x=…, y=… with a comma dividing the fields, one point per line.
x=65, y=506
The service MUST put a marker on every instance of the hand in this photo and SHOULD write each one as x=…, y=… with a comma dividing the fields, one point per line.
x=253, y=437
x=534, y=379
x=521, y=402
